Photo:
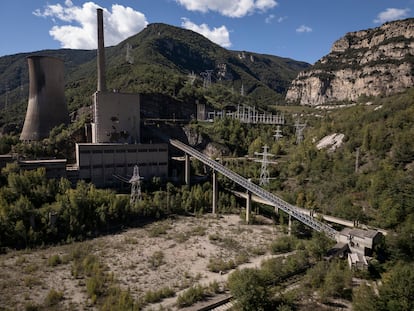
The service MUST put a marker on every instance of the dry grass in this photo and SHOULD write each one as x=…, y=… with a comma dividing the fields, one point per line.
x=172, y=254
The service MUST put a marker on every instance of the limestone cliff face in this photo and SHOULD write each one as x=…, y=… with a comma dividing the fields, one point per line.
x=371, y=62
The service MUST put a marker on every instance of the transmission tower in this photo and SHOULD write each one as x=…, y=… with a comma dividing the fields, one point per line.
x=206, y=78
x=191, y=78
x=135, y=182
x=264, y=172
x=242, y=90
x=278, y=133
x=129, y=58
x=299, y=131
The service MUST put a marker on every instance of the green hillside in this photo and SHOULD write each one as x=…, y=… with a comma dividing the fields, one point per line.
x=161, y=58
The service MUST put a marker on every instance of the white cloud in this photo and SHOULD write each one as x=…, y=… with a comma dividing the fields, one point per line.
x=230, y=8
x=391, y=14
x=79, y=31
x=220, y=36
x=269, y=19
x=281, y=19
x=303, y=28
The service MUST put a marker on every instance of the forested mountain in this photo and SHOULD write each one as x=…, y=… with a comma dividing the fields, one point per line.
x=159, y=59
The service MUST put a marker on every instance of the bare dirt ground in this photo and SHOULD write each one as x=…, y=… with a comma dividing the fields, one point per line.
x=173, y=253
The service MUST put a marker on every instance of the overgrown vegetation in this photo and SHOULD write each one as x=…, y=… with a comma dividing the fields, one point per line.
x=376, y=190
x=197, y=293
x=35, y=210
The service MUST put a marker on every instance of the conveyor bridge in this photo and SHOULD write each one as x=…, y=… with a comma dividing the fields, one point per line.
x=258, y=191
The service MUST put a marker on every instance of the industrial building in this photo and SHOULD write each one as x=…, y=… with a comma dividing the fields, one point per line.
x=114, y=147
x=102, y=163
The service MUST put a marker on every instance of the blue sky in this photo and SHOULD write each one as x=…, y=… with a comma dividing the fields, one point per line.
x=300, y=29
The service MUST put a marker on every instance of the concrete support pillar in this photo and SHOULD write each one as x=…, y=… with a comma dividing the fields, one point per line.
x=187, y=169
x=248, y=206
x=290, y=226
x=215, y=192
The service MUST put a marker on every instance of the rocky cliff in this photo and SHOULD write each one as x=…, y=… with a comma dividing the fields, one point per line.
x=371, y=62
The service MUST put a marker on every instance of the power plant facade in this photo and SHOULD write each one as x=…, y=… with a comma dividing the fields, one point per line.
x=115, y=147
x=47, y=106
x=103, y=164
x=116, y=118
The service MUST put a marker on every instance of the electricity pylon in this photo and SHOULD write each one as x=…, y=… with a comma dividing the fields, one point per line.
x=264, y=172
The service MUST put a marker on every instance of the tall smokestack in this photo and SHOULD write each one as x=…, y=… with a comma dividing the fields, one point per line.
x=101, y=52
x=47, y=106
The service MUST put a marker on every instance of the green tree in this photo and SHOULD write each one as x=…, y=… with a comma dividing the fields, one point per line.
x=364, y=298
x=318, y=245
x=338, y=281
x=248, y=287
x=397, y=291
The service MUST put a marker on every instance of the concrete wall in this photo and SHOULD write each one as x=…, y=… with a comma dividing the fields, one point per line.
x=154, y=106
x=47, y=106
x=55, y=168
x=99, y=163
x=116, y=118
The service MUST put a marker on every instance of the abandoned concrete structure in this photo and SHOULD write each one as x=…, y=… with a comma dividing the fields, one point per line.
x=361, y=244
x=47, y=106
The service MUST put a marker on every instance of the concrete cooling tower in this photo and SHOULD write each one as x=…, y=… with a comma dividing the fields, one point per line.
x=47, y=106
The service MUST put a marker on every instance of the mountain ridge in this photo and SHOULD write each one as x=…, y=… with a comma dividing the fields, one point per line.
x=372, y=62
x=161, y=57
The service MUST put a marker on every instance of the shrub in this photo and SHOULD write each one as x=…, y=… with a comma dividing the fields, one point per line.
x=283, y=245
x=241, y=258
x=31, y=307
x=31, y=281
x=249, y=288
x=95, y=286
x=156, y=260
x=214, y=288
x=220, y=265
x=199, y=231
x=158, y=229
x=158, y=295
x=53, y=298
x=120, y=300
x=54, y=260
x=190, y=296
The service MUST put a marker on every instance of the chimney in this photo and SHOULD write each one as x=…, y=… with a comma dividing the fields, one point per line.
x=101, y=53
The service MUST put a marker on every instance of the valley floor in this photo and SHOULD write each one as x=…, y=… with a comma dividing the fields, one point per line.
x=172, y=253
